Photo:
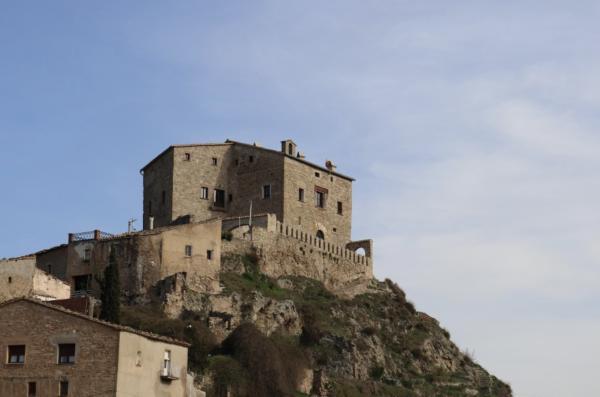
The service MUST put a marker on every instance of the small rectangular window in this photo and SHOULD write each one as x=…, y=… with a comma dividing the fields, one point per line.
x=204, y=193
x=66, y=353
x=164, y=197
x=188, y=250
x=267, y=191
x=300, y=194
x=16, y=354
x=150, y=208
x=31, y=389
x=318, y=175
x=188, y=157
x=63, y=388
x=230, y=197
x=215, y=161
x=209, y=254
x=81, y=283
x=87, y=254
x=340, y=208
x=251, y=159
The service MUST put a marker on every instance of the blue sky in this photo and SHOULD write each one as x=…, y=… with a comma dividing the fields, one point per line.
x=471, y=127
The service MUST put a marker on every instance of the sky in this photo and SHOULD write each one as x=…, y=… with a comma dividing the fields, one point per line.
x=470, y=126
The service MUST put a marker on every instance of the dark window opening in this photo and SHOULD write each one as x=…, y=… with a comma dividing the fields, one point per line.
x=300, y=194
x=290, y=149
x=204, y=193
x=219, y=199
x=164, y=197
x=266, y=191
x=31, y=389
x=331, y=179
x=66, y=353
x=188, y=157
x=81, y=283
x=320, y=235
x=10, y=280
x=335, y=230
x=340, y=209
x=16, y=354
x=150, y=208
x=317, y=175
x=320, y=199
x=230, y=197
x=209, y=254
x=251, y=159
x=188, y=250
x=63, y=390
x=215, y=161
x=87, y=254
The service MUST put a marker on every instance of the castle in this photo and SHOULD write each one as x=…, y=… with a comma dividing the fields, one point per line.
x=204, y=202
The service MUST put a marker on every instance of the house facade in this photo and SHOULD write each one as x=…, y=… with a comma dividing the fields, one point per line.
x=49, y=351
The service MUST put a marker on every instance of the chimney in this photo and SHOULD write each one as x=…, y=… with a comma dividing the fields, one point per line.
x=151, y=223
x=289, y=147
x=330, y=166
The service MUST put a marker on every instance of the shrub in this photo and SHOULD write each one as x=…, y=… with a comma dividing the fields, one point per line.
x=227, y=235
x=273, y=369
x=227, y=374
x=376, y=372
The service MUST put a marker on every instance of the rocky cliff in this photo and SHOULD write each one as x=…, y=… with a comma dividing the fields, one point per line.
x=372, y=344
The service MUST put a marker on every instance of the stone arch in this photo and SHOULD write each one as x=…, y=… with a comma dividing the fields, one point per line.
x=320, y=234
x=361, y=251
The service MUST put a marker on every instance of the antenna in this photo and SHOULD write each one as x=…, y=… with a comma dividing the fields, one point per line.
x=130, y=227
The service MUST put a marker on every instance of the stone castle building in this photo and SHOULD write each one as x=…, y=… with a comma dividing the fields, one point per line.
x=205, y=181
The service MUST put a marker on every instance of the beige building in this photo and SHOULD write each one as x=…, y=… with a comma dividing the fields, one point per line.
x=144, y=258
x=49, y=351
x=204, y=181
x=21, y=278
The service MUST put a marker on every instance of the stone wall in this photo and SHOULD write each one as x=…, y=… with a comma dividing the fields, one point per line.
x=336, y=227
x=285, y=250
x=21, y=278
x=41, y=330
x=158, y=178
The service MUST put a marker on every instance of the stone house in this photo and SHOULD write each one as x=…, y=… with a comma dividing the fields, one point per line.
x=49, y=351
x=144, y=258
x=20, y=277
x=204, y=181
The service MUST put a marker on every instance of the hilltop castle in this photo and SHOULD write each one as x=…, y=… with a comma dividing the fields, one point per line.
x=204, y=203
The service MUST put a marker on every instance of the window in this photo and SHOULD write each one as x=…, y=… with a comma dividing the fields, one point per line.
x=167, y=363
x=340, y=208
x=331, y=178
x=266, y=191
x=10, y=280
x=187, y=157
x=188, y=250
x=63, y=388
x=150, y=208
x=335, y=230
x=320, y=234
x=250, y=159
x=219, y=198
x=204, y=193
x=209, y=254
x=230, y=197
x=81, y=283
x=237, y=162
x=87, y=254
x=300, y=194
x=138, y=359
x=320, y=199
x=31, y=389
x=317, y=175
x=215, y=161
x=290, y=149
x=16, y=354
x=66, y=353
x=163, y=197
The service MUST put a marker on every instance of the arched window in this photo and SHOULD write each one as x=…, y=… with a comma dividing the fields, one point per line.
x=361, y=251
x=290, y=149
x=320, y=234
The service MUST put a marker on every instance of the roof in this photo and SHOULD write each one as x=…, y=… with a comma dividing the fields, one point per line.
x=34, y=254
x=231, y=142
x=116, y=327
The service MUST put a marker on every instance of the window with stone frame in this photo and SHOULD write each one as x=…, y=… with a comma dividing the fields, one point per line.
x=204, y=193
x=16, y=354
x=31, y=389
x=63, y=388
x=266, y=192
x=301, y=194
x=188, y=250
x=66, y=353
x=320, y=197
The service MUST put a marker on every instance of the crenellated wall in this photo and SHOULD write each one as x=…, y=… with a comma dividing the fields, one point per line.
x=286, y=250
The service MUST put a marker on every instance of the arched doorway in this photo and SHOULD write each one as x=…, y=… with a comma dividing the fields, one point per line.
x=361, y=251
x=320, y=234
